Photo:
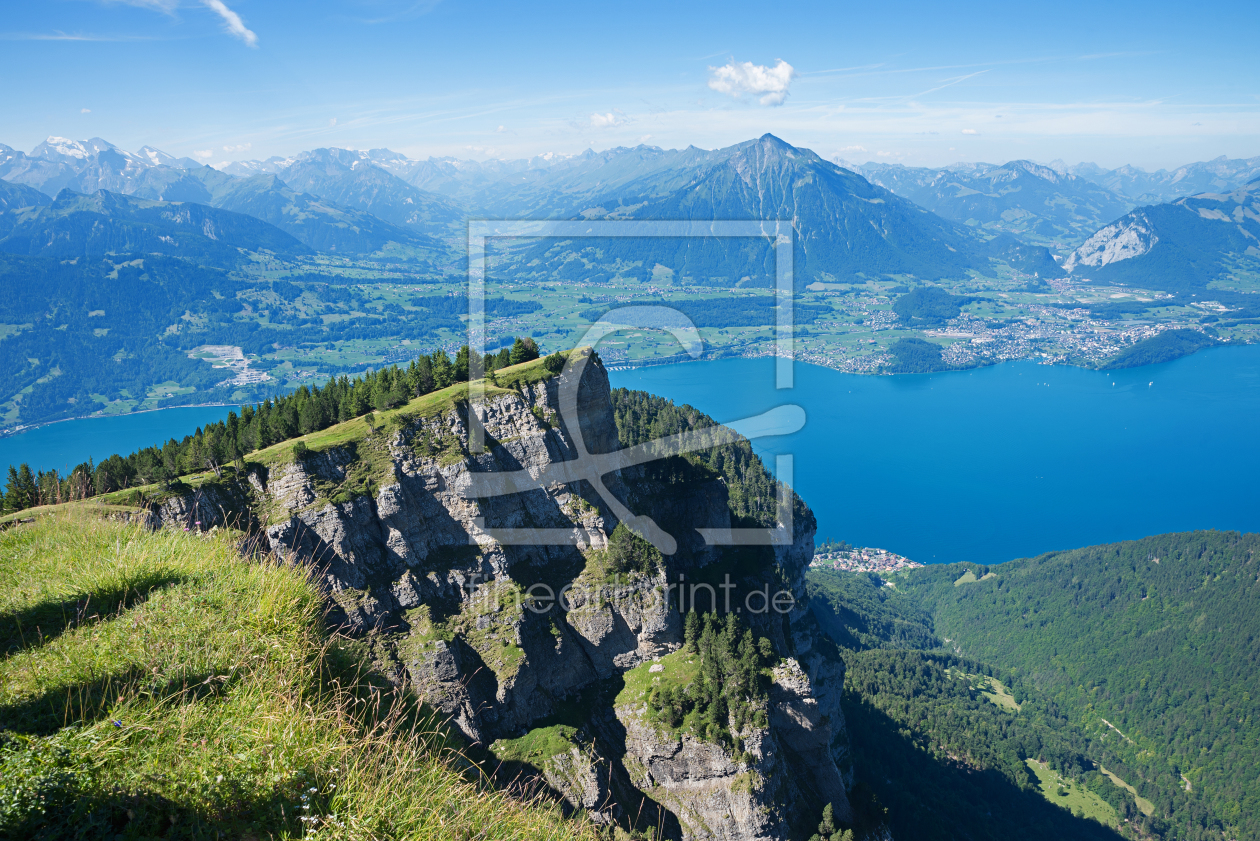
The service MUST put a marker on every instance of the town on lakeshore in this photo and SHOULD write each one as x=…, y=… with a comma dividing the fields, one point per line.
x=868, y=559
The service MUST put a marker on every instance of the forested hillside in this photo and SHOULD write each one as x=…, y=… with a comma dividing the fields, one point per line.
x=1171, y=344
x=952, y=747
x=1151, y=646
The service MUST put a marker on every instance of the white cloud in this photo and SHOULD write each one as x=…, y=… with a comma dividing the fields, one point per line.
x=85, y=110
x=970, y=131
x=884, y=154
x=240, y=147
x=608, y=120
x=739, y=78
x=853, y=149
x=232, y=22
x=645, y=138
x=203, y=154
x=332, y=123
x=501, y=130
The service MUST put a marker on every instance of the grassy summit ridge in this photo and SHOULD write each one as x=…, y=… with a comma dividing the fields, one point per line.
x=159, y=684
x=280, y=430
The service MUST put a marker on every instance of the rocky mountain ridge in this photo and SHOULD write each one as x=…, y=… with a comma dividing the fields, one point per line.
x=1192, y=244
x=408, y=560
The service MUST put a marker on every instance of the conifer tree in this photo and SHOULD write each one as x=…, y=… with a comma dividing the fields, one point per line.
x=443, y=373
x=524, y=349
x=460, y=370
x=13, y=492
x=691, y=630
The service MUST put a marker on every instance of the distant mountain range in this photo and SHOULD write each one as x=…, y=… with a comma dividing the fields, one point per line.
x=1053, y=205
x=15, y=196
x=74, y=225
x=350, y=202
x=1215, y=176
x=92, y=165
x=86, y=166
x=847, y=228
x=852, y=221
x=1021, y=198
x=344, y=177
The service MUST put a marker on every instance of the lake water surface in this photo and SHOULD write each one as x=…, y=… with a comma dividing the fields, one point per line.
x=1006, y=461
x=982, y=465
x=63, y=446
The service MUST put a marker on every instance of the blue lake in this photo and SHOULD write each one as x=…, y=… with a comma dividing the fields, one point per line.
x=1006, y=461
x=62, y=446
x=982, y=465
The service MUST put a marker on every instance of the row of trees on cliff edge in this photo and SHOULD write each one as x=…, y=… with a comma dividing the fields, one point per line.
x=300, y=412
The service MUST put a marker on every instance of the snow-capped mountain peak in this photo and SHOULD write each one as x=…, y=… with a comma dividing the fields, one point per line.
x=156, y=157
x=62, y=148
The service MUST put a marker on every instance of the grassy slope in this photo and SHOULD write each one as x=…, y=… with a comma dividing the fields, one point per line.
x=160, y=684
x=1075, y=798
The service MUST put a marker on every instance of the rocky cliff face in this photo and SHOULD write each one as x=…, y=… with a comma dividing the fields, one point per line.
x=406, y=554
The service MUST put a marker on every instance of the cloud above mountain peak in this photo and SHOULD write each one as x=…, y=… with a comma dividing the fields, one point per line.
x=770, y=84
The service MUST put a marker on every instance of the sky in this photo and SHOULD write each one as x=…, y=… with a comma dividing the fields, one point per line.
x=1152, y=84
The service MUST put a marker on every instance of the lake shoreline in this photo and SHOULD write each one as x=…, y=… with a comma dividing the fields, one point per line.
x=986, y=464
x=1001, y=461
x=10, y=433
x=678, y=359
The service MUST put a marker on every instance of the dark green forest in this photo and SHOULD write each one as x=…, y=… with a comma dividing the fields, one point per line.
x=1167, y=346
x=915, y=356
x=730, y=690
x=946, y=761
x=1152, y=647
x=752, y=491
x=928, y=306
x=949, y=764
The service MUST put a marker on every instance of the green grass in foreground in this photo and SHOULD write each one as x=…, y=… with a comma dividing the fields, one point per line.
x=1075, y=797
x=159, y=685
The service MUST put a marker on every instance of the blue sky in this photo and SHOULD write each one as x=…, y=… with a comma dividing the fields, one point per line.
x=1151, y=84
